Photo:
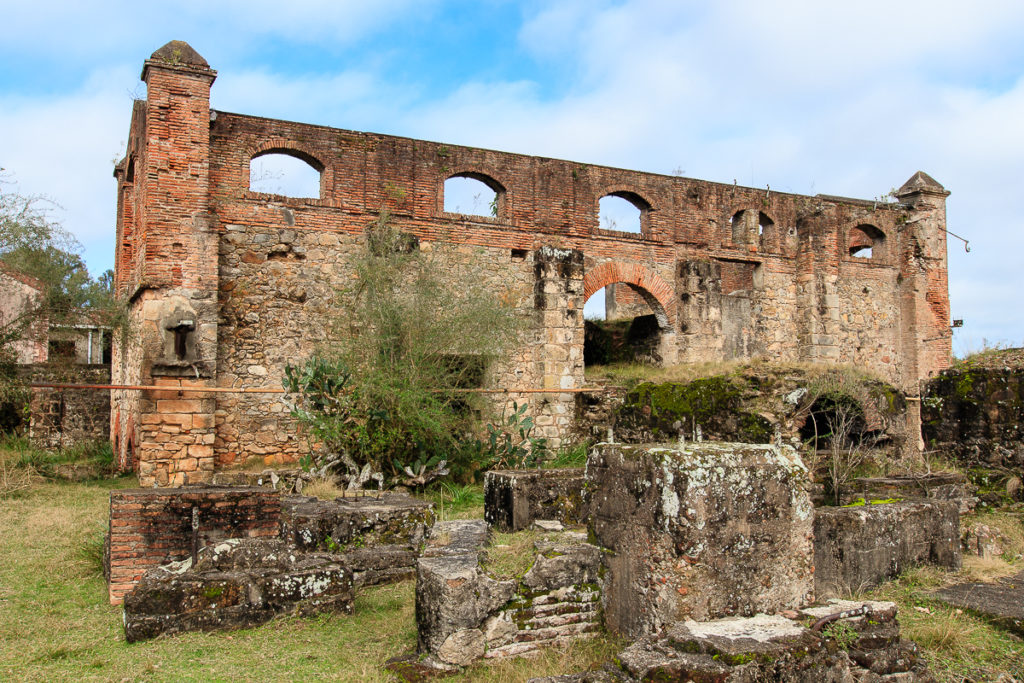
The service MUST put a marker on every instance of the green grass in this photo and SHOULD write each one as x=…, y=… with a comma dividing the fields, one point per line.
x=56, y=623
x=457, y=501
x=957, y=645
x=81, y=461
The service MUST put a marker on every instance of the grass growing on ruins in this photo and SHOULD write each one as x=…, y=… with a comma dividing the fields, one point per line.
x=457, y=501
x=56, y=624
x=81, y=461
x=957, y=644
x=511, y=555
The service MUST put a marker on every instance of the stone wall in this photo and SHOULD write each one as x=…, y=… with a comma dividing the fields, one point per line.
x=152, y=527
x=63, y=417
x=514, y=499
x=377, y=539
x=700, y=531
x=861, y=546
x=976, y=415
x=229, y=284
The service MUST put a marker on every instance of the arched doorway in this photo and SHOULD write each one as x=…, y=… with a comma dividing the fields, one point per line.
x=637, y=320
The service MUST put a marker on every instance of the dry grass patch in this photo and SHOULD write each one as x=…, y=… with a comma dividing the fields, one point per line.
x=957, y=644
x=581, y=655
x=510, y=555
x=324, y=489
x=14, y=478
x=56, y=623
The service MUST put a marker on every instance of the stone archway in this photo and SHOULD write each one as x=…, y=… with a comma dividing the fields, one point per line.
x=655, y=291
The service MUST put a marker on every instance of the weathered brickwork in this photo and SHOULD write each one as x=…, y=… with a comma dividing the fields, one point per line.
x=152, y=527
x=228, y=285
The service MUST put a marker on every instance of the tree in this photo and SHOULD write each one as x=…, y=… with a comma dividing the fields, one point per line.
x=33, y=244
x=386, y=399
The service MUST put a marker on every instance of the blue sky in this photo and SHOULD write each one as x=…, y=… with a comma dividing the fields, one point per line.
x=838, y=98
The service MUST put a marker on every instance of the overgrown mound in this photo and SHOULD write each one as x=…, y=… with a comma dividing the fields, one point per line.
x=974, y=411
x=749, y=402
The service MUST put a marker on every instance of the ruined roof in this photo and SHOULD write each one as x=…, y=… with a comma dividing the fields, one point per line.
x=179, y=52
x=920, y=182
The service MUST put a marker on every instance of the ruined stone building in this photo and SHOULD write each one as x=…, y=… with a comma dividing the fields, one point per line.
x=227, y=285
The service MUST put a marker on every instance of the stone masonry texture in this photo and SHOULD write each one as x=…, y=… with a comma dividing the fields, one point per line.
x=861, y=546
x=700, y=531
x=226, y=285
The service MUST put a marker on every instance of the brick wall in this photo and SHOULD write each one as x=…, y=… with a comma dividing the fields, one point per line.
x=150, y=527
x=256, y=275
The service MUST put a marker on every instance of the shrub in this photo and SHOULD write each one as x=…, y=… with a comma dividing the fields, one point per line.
x=385, y=401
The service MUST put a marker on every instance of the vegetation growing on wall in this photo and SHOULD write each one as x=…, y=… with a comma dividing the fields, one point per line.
x=669, y=409
x=386, y=399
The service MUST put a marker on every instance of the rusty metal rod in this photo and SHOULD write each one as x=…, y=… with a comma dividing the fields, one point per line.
x=275, y=390
x=845, y=614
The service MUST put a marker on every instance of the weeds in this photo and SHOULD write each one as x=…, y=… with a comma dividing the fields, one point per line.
x=458, y=501
x=510, y=555
x=569, y=456
x=324, y=489
x=957, y=645
x=14, y=477
x=79, y=462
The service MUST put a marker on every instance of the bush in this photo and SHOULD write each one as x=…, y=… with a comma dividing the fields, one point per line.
x=386, y=400
x=836, y=431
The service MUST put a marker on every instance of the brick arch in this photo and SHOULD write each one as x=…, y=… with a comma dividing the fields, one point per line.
x=289, y=147
x=627, y=192
x=655, y=291
x=295, y=149
x=486, y=176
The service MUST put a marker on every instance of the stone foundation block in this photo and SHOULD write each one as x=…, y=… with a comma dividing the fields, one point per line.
x=453, y=594
x=700, y=531
x=463, y=614
x=857, y=547
x=513, y=499
x=234, y=584
x=774, y=648
x=151, y=527
x=352, y=523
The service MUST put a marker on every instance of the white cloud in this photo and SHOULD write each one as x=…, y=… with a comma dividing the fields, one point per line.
x=807, y=96
x=65, y=148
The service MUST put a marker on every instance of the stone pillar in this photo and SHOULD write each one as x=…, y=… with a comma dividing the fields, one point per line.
x=171, y=276
x=926, y=335
x=558, y=301
x=923, y=284
x=699, y=286
x=817, y=273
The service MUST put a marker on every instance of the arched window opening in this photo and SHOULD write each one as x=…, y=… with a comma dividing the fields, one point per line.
x=473, y=195
x=739, y=227
x=866, y=242
x=285, y=173
x=764, y=223
x=622, y=212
